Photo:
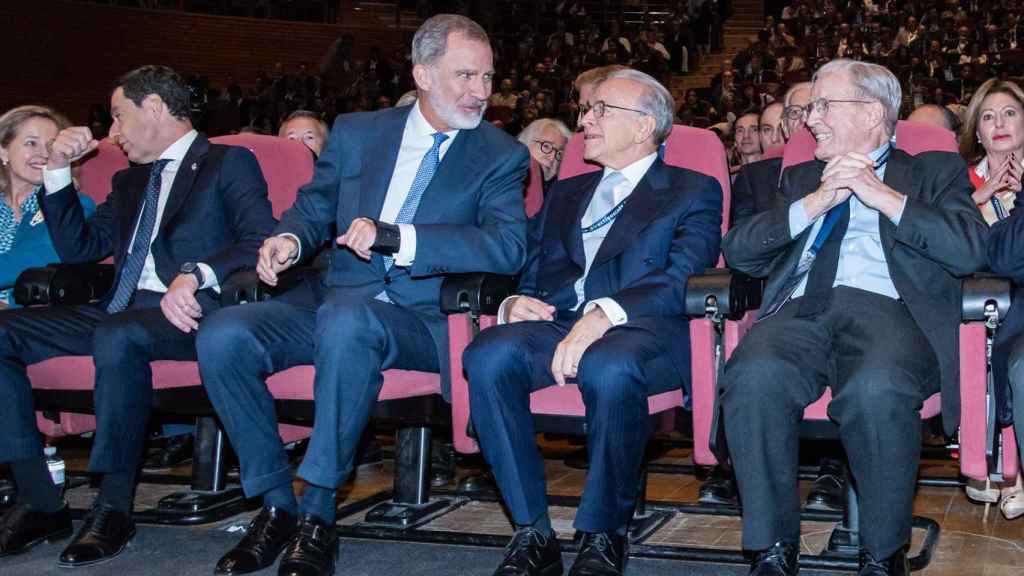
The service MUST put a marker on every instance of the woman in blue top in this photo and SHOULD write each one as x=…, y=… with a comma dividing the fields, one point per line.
x=25, y=133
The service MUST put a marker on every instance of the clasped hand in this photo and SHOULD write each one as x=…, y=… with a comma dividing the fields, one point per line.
x=848, y=174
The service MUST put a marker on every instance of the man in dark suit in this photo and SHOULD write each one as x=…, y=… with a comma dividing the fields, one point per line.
x=869, y=307
x=377, y=306
x=188, y=216
x=601, y=301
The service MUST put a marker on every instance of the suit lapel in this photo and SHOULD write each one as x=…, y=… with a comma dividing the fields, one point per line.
x=134, y=189
x=645, y=203
x=898, y=177
x=183, y=180
x=452, y=174
x=379, y=157
x=576, y=206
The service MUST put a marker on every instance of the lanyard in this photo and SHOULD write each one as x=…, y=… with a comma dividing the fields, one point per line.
x=607, y=218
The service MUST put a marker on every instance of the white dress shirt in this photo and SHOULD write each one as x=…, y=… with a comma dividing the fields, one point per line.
x=56, y=180
x=632, y=174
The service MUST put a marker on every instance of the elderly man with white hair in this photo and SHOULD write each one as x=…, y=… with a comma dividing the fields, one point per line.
x=600, y=305
x=862, y=253
x=546, y=138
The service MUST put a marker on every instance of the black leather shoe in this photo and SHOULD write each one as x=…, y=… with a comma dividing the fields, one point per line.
x=442, y=464
x=104, y=535
x=266, y=536
x=22, y=528
x=782, y=559
x=827, y=491
x=895, y=565
x=600, y=555
x=531, y=553
x=177, y=450
x=719, y=488
x=312, y=551
x=8, y=494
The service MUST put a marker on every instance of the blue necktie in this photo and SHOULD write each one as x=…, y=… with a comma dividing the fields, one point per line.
x=424, y=174
x=132, y=269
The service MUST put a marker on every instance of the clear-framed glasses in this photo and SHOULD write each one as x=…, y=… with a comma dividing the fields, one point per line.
x=821, y=105
x=600, y=107
x=793, y=113
x=548, y=147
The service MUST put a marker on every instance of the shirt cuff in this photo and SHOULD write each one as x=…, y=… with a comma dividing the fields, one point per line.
x=503, y=309
x=406, y=245
x=209, y=278
x=798, y=220
x=56, y=180
x=611, y=309
x=298, y=243
x=899, y=215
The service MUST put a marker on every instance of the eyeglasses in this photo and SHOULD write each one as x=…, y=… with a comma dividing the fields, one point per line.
x=600, y=107
x=793, y=113
x=548, y=147
x=821, y=105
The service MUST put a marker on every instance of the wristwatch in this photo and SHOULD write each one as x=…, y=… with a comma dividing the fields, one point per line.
x=195, y=270
x=388, y=239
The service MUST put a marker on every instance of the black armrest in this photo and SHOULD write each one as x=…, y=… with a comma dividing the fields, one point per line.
x=985, y=298
x=478, y=293
x=63, y=284
x=245, y=286
x=720, y=292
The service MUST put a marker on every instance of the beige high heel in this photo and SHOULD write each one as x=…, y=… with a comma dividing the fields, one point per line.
x=1012, y=503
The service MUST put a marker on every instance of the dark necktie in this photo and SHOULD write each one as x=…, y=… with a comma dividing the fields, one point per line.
x=133, y=264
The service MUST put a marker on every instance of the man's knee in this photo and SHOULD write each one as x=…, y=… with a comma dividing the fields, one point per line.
x=343, y=320
x=225, y=336
x=118, y=341
x=492, y=354
x=611, y=373
x=882, y=394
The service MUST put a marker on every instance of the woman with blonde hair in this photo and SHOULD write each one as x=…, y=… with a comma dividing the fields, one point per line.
x=992, y=142
x=25, y=135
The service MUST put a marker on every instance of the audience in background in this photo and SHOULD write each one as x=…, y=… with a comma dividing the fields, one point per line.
x=546, y=139
x=306, y=127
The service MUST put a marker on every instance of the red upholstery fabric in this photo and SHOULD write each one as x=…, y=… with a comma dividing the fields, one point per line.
x=911, y=137
x=534, y=191
x=287, y=165
x=98, y=169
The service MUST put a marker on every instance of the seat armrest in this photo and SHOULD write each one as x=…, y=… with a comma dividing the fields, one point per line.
x=245, y=286
x=477, y=293
x=985, y=298
x=722, y=293
x=57, y=284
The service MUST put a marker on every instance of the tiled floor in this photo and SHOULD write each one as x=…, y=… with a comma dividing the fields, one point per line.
x=970, y=542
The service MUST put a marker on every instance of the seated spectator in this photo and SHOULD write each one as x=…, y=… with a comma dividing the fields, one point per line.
x=996, y=115
x=306, y=127
x=505, y=96
x=993, y=145
x=546, y=138
x=25, y=135
x=406, y=99
x=612, y=325
x=938, y=115
x=770, y=126
x=747, y=131
x=864, y=300
x=588, y=79
x=795, y=112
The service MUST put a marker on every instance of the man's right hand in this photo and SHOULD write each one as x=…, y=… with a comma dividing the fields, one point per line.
x=827, y=195
x=524, y=308
x=70, y=145
x=278, y=253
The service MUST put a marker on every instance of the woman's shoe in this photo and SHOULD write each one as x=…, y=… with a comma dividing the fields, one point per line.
x=983, y=492
x=1012, y=504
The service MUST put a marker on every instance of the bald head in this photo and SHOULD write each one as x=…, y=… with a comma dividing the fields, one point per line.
x=934, y=114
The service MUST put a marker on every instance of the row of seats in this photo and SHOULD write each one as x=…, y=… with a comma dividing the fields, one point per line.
x=65, y=382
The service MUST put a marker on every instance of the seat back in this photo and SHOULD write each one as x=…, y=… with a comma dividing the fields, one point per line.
x=534, y=191
x=98, y=169
x=911, y=137
x=287, y=165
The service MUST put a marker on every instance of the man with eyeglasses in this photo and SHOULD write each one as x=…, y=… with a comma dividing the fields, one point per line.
x=546, y=138
x=862, y=256
x=599, y=305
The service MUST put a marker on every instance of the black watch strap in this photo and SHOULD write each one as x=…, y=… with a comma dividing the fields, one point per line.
x=388, y=239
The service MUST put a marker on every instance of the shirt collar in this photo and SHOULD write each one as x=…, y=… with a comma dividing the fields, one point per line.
x=634, y=173
x=176, y=152
x=419, y=126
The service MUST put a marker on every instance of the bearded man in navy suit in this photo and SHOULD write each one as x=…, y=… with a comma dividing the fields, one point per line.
x=600, y=302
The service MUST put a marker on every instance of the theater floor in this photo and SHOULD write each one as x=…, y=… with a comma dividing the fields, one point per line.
x=970, y=543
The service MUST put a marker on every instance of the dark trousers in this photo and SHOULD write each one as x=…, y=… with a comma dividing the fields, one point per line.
x=615, y=375
x=880, y=367
x=122, y=346
x=349, y=339
x=1016, y=377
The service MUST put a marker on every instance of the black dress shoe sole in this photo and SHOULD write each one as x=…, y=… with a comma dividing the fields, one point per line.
x=49, y=538
x=100, y=560
x=820, y=505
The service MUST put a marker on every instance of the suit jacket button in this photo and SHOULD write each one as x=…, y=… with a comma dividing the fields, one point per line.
x=649, y=261
x=543, y=293
x=387, y=279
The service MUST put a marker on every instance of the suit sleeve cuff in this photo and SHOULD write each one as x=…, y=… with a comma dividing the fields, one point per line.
x=611, y=309
x=798, y=220
x=503, y=309
x=298, y=243
x=407, y=245
x=56, y=180
x=209, y=278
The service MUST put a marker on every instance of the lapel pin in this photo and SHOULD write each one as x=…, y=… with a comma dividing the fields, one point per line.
x=195, y=166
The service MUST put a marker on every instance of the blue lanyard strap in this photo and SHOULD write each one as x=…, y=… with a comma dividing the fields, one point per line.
x=837, y=212
x=607, y=218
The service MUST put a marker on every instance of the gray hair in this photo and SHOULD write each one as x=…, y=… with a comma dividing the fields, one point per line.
x=406, y=99
x=537, y=126
x=431, y=40
x=656, y=100
x=870, y=81
x=793, y=89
